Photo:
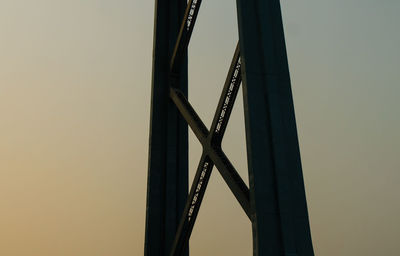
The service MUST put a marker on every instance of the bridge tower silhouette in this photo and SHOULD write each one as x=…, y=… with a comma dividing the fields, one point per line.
x=275, y=202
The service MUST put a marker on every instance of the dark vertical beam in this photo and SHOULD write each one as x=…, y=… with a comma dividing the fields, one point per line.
x=280, y=224
x=168, y=146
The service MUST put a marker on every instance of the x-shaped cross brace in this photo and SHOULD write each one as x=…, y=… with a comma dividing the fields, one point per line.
x=212, y=154
x=210, y=140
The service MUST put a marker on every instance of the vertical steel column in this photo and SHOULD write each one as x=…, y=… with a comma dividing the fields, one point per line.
x=280, y=225
x=167, y=186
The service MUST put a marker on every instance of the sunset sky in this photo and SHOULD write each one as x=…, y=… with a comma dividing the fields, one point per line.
x=75, y=80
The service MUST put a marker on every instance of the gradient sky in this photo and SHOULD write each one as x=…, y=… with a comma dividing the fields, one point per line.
x=75, y=101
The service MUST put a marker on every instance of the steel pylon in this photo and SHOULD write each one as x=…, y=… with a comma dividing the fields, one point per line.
x=275, y=202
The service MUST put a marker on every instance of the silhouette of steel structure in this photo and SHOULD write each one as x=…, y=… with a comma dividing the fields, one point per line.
x=275, y=203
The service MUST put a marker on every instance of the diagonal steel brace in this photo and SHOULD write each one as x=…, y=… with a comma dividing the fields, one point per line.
x=212, y=154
